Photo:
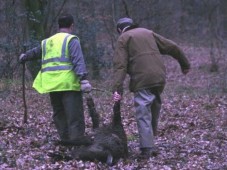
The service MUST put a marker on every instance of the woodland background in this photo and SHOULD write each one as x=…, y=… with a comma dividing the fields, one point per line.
x=193, y=124
x=27, y=22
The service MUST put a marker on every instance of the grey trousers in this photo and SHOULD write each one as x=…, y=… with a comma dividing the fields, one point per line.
x=68, y=114
x=148, y=105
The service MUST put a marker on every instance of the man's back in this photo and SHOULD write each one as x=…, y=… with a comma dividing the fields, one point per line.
x=141, y=41
x=145, y=64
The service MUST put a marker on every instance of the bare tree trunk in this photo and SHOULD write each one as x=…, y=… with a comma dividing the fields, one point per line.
x=35, y=18
x=40, y=21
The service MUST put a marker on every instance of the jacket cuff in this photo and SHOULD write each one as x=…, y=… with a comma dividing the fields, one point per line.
x=82, y=77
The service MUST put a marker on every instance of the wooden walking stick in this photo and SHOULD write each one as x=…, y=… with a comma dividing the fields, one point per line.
x=23, y=89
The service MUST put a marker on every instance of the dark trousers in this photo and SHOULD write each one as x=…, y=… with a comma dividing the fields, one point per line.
x=68, y=114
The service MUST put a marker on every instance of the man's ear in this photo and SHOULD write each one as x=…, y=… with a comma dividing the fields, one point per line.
x=119, y=30
x=71, y=27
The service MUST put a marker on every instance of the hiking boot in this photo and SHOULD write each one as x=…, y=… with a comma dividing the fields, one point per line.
x=146, y=153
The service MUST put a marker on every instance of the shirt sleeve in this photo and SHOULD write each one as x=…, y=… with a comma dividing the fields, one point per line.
x=33, y=54
x=77, y=58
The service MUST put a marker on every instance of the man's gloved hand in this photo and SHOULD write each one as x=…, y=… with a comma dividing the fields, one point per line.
x=116, y=97
x=85, y=86
x=22, y=58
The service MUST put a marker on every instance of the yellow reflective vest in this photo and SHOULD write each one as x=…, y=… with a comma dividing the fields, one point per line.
x=56, y=72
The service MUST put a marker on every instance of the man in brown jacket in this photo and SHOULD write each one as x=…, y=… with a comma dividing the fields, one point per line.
x=139, y=53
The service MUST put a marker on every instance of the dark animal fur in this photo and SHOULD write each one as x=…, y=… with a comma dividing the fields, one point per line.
x=109, y=143
x=93, y=113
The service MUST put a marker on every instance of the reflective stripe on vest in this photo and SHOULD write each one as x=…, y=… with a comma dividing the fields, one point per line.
x=56, y=68
x=63, y=58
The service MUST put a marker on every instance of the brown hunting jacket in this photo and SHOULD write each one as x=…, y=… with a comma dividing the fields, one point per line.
x=139, y=53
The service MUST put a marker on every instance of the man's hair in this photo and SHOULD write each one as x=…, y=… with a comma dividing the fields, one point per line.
x=65, y=21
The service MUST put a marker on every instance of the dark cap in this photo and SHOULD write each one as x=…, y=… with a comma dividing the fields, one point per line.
x=124, y=20
x=123, y=23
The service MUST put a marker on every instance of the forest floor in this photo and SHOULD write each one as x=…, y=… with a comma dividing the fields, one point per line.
x=192, y=131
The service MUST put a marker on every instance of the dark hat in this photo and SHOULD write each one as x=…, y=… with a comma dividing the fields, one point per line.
x=125, y=20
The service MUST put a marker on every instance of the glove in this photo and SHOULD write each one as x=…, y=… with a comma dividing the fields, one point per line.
x=116, y=97
x=85, y=86
x=22, y=58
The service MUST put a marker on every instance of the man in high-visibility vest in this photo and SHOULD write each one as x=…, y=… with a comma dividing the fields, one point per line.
x=63, y=75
